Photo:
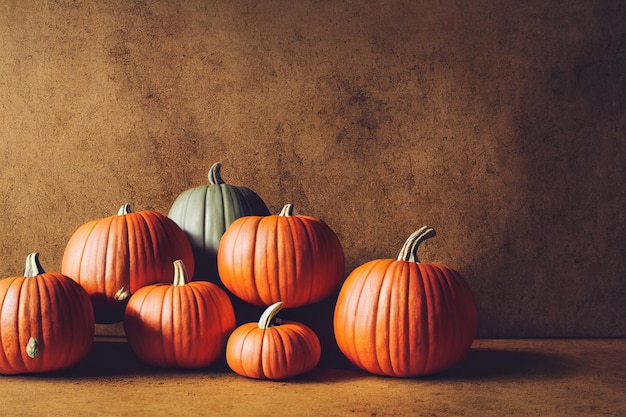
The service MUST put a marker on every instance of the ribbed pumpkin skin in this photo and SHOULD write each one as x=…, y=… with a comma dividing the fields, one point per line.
x=179, y=326
x=126, y=251
x=275, y=353
x=205, y=212
x=54, y=310
x=403, y=319
x=295, y=259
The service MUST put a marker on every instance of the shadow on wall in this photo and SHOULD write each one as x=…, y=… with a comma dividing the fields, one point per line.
x=568, y=239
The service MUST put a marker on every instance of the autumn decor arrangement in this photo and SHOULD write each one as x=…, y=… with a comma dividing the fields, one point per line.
x=115, y=256
x=179, y=325
x=403, y=317
x=295, y=259
x=46, y=321
x=272, y=349
x=178, y=284
x=205, y=212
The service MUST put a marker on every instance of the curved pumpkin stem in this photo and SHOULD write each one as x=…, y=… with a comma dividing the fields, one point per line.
x=125, y=209
x=215, y=176
x=409, y=249
x=180, y=273
x=33, y=267
x=267, y=318
x=287, y=210
x=122, y=294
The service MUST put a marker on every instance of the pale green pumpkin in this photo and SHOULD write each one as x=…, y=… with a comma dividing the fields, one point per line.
x=205, y=212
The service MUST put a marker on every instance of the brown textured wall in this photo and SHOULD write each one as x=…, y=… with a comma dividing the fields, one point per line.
x=501, y=124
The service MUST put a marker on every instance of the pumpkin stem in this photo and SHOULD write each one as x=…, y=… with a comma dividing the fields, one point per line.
x=125, y=209
x=180, y=273
x=215, y=176
x=33, y=267
x=287, y=210
x=409, y=249
x=32, y=348
x=122, y=294
x=267, y=318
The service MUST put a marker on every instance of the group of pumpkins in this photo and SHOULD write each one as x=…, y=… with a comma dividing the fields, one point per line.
x=392, y=317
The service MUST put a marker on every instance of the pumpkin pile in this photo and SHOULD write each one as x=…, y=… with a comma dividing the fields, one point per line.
x=173, y=282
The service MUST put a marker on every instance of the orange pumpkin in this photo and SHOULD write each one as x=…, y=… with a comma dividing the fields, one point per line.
x=272, y=349
x=115, y=256
x=405, y=318
x=46, y=321
x=179, y=325
x=294, y=259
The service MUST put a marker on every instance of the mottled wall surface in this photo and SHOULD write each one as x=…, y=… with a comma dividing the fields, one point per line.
x=501, y=124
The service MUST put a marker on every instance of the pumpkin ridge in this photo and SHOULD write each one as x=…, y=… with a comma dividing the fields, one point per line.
x=349, y=301
x=309, y=268
x=397, y=329
x=84, y=307
x=447, y=283
x=302, y=335
x=433, y=302
x=448, y=286
x=168, y=328
x=424, y=319
x=215, y=308
x=371, y=332
x=28, y=307
x=4, y=361
x=289, y=270
x=253, y=288
x=413, y=309
x=273, y=270
x=224, y=197
x=156, y=226
x=384, y=357
x=257, y=372
x=16, y=286
x=118, y=255
x=190, y=336
x=47, y=334
x=68, y=293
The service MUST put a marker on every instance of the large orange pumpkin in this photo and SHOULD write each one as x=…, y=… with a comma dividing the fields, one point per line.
x=115, y=256
x=294, y=259
x=46, y=321
x=180, y=325
x=272, y=349
x=403, y=317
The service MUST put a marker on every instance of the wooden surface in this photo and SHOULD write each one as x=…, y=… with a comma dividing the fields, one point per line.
x=498, y=378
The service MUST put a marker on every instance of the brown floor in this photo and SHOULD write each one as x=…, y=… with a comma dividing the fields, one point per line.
x=498, y=378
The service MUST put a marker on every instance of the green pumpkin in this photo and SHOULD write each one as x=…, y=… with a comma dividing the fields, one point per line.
x=205, y=212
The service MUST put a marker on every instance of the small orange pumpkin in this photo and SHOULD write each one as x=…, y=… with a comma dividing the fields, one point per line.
x=180, y=325
x=115, y=256
x=272, y=349
x=46, y=321
x=405, y=318
x=298, y=260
